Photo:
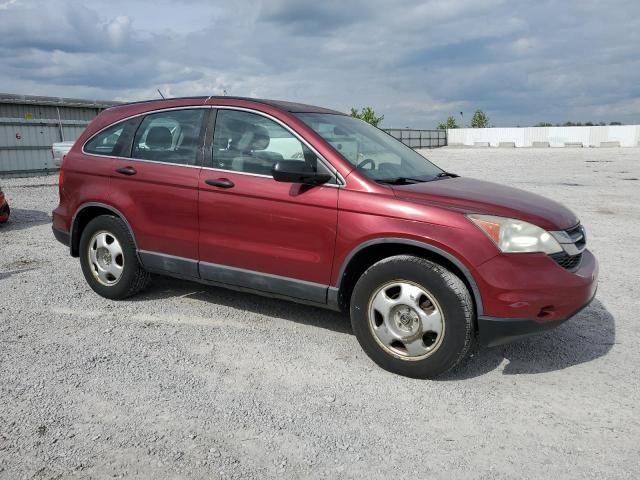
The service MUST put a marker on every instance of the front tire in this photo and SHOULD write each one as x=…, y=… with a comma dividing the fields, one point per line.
x=412, y=316
x=109, y=259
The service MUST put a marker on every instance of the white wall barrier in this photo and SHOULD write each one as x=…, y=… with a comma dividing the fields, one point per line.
x=624, y=135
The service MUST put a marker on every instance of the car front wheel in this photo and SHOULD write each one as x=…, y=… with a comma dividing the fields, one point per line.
x=412, y=316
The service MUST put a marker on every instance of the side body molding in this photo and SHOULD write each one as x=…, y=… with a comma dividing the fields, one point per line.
x=271, y=285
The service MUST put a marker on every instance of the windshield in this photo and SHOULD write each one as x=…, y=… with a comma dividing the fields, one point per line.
x=373, y=152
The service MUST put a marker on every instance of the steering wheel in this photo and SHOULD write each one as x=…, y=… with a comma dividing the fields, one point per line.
x=366, y=161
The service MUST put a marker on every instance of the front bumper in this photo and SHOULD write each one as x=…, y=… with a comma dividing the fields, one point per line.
x=497, y=331
x=526, y=294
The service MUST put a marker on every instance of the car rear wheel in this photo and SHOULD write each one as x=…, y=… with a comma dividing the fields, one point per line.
x=412, y=316
x=109, y=260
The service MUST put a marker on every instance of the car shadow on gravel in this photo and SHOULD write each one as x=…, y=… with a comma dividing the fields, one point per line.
x=164, y=287
x=21, y=219
x=589, y=335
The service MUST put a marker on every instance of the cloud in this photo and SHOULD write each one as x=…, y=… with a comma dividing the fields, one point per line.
x=118, y=31
x=416, y=62
x=7, y=4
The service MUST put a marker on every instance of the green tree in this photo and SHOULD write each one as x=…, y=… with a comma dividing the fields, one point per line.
x=543, y=124
x=615, y=123
x=479, y=120
x=368, y=115
x=449, y=123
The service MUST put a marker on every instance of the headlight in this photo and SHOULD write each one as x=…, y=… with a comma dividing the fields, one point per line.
x=515, y=236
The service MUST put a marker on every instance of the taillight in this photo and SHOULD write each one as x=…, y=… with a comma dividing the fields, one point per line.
x=61, y=178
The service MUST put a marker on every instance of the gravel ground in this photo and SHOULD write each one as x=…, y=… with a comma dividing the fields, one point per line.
x=187, y=381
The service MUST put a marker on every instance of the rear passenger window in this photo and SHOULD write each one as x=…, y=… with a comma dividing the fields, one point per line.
x=112, y=141
x=169, y=137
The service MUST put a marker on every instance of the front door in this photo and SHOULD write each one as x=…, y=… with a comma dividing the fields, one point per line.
x=256, y=232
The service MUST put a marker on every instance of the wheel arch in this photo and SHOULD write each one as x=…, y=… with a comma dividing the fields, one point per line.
x=87, y=212
x=372, y=251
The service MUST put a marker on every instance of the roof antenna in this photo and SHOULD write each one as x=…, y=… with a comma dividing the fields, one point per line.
x=163, y=97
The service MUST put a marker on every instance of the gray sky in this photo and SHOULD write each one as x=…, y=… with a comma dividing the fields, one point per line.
x=416, y=62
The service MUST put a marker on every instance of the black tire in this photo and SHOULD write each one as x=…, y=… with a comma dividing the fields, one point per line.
x=133, y=278
x=446, y=288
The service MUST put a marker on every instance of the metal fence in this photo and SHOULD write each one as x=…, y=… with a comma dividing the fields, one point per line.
x=29, y=125
x=419, y=138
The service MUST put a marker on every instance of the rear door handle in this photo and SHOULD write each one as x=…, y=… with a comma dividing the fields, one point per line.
x=219, y=182
x=127, y=171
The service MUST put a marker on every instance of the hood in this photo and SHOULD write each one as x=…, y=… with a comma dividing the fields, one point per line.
x=477, y=196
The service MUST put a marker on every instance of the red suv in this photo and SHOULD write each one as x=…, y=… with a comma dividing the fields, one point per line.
x=308, y=204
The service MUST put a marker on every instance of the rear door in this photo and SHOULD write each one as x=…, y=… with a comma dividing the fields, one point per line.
x=88, y=171
x=157, y=188
x=256, y=232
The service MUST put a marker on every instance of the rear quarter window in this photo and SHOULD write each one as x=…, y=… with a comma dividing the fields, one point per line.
x=112, y=141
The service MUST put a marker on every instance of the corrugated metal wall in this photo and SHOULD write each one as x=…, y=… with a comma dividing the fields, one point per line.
x=627, y=135
x=30, y=125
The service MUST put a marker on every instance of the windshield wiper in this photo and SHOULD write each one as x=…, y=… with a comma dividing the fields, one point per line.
x=400, y=180
x=409, y=180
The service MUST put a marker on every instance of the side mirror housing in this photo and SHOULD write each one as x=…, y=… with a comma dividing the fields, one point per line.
x=292, y=171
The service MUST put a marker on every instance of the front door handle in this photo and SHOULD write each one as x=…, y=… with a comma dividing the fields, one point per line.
x=219, y=182
x=127, y=171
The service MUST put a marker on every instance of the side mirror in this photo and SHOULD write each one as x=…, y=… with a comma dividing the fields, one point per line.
x=292, y=171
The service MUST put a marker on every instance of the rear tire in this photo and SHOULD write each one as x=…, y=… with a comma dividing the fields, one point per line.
x=412, y=316
x=109, y=259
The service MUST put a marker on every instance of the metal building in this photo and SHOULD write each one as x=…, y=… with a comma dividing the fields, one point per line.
x=29, y=125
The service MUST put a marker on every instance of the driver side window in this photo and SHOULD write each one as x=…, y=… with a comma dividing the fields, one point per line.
x=250, y=143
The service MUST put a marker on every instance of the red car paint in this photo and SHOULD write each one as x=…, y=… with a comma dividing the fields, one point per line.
x=4, y=207
x=310, y=233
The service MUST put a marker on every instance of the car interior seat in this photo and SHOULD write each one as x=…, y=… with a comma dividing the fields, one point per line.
x=187, y=148
x=251, y=157
x=159, y=141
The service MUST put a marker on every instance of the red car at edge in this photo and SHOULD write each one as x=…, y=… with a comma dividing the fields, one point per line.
x=5, y=211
